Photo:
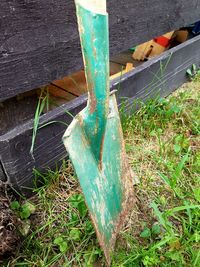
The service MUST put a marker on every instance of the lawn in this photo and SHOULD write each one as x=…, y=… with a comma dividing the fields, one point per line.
x=163, y=146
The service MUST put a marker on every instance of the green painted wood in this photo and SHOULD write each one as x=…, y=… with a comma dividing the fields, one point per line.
x=94, y=139
x=107, y=190
x=93, y=30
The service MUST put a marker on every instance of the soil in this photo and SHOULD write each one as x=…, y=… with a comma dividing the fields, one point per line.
x=9, y=237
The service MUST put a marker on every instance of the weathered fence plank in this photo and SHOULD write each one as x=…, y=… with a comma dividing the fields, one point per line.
x=16, y=111
x=39, y=40
x=159, y=76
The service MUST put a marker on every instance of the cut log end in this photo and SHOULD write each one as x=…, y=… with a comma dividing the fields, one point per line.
x=95, y=6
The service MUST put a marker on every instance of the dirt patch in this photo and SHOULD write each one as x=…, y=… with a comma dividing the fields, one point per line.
x=9, y=236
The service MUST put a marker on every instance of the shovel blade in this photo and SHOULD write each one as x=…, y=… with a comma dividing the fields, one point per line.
x=108, y=189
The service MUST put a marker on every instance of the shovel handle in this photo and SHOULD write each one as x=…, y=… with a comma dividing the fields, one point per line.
x=93, y=30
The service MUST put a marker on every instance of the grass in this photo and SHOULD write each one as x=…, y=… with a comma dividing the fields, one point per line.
x=43, y=103
x=162, y=142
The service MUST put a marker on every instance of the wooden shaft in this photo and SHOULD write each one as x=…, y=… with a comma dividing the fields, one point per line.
x=93, y=30
x=96, y=6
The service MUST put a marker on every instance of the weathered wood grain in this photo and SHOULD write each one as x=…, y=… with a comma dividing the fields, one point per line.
x=144, y=82
x=49, y=149
x=39, y=41
x=16, y=111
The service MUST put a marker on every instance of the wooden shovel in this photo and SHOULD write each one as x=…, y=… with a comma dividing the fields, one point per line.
x=94, y=139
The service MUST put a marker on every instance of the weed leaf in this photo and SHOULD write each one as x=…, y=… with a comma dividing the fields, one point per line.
x=146, y=233
x=14, y=205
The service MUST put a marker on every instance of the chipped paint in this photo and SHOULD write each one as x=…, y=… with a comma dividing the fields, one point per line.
x=103, y=187
x=94, y=140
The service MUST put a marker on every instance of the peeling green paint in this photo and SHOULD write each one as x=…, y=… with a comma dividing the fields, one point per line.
x=93, y=30
x=94, y=139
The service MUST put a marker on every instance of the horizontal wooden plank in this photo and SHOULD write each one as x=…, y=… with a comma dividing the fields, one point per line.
x=15, y=145
x=39, y=41
x=160, y=75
